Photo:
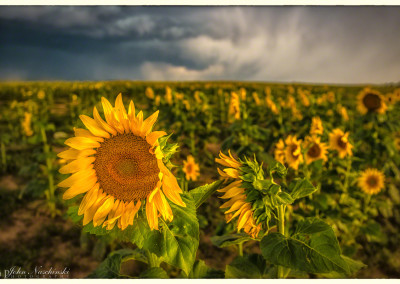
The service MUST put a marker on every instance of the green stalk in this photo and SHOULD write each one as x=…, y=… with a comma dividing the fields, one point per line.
x=3, y=156
x=346, y=180
x=46, y=150
x=281, y=230
x=240, y=249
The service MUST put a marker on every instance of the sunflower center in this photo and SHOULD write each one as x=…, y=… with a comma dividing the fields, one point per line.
x=372, y=101
x=189, y=168
x=342, y=144
x=372, y=182
x=314, y=151
x=125, y=168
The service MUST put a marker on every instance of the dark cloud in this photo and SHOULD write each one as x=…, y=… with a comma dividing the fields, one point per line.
x=313, y=44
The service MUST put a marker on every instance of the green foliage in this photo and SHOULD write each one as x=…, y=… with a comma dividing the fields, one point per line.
x=230, y=239
x=249, y=266
x=300, y=188
x=201, y=193
x=111, y=266
x=312, y=247
x=176, y=242
x=154, y=273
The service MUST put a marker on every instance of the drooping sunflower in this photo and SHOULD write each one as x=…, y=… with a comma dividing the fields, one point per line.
x=117, y=164
x=279, y=153
x=338, y=140
x=293, y=154
x=191, y=168
x=316, y=149
x=236, y=205
x=316, y=126
x=371, y=101
x=371, y=181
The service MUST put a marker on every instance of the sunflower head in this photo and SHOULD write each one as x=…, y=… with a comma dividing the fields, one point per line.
x=149, y=93
x=236, y=193
x=371, y=181
x=118, y=166
x=271, y=105
x=293, y=155
x=338, y=140
x=316, y=126
x=26, y=124
x=370, y=101
x=234, y=107
x=316, y=150
x=191, y=168
x=343, y=112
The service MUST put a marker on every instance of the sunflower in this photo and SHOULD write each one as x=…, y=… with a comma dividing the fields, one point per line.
x=343, y=112
x=236, y=205
x=271, y=105
x=390, y=98
x=338, y=140
x=234, y=107
x=168, y=95
x=149, y=93
x=293, y=154
x=280, y=151
x=316, y=126
x=370, y=101
x=191, y=168
x=118, y=165
x=316, y=149
x=26, y=124
x=256, y=99
x=371, y=181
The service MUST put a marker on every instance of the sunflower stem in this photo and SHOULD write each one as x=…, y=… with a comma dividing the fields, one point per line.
x=240, y=249
x=281, y=230
x=46, y=150
x=346, y=180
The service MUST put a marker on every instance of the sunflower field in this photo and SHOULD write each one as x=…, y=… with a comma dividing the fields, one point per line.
x=129, y=179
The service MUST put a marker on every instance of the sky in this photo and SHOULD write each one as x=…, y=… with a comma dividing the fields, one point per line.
x=272, y=44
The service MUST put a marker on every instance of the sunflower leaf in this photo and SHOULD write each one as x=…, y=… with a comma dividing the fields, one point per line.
x=248, y=266
x=111, y=266
x=201, y=193
x=229, y=240
x=312, y=248
x=300, y=188
x=154, y=273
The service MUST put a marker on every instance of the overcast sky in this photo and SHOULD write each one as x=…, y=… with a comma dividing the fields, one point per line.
x=305, y=44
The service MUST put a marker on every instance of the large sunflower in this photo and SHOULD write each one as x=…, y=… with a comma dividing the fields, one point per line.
x=370, y=101
x=293, y=154
x=191, y=168
x=371, y=181
x=338, y=140
x=118, y=165
x=316, y=150
x=236, y=205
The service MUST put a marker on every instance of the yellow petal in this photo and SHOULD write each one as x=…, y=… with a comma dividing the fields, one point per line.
x=110, y=116
x=82, y=143
x=151, y=213
x=89, y=199
x=79, y=188
x=152, y=137
x=233, y=192
x=102, y=123
x=77, y=177
x=72, y=154
x=103, y=211
x=121, y=113
x=89, y=213
x=149, y=122
x=243, y=219
x=236, y=183
x=94, y=127
x=77, y=165
x=235, y=206
x=173, y=195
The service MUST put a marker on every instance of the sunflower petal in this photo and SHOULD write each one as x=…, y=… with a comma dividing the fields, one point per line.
x=94, y=127
x=77, y=165
x=81, y=143
x=102, y=123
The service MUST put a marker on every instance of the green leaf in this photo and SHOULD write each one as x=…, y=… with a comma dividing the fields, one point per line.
x=154, y=273
x=284, y=198
x=249, y=266
x=312, y=248
x=229, y=240
x=177, y=242
x=279, y=169
x=201, y=193
x=354, y=266
x=111, y=266
x=300, y=188
x=201, y=270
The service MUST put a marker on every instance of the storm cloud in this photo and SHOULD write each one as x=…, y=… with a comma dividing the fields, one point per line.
x=304, y=44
